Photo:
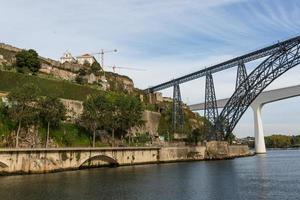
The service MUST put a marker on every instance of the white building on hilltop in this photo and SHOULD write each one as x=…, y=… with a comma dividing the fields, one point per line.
x=86, y=58
x=67, y=57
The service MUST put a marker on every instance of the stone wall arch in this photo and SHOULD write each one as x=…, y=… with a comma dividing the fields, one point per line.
x=110, y=161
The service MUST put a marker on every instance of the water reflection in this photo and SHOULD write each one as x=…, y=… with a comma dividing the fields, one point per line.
x=272, y=176
x=262, y=176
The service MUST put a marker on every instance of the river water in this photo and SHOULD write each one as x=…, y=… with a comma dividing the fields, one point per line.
x=272, y=176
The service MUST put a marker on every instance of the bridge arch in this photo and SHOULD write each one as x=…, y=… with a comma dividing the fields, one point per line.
x=262, y=76
x=110, y=161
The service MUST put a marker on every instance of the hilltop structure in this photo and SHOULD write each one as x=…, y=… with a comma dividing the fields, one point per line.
x=69, y=68
x=85, y=58
x=67, y=57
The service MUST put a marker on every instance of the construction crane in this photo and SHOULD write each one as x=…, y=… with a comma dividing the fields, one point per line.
x=101, y=55
x=126, y=68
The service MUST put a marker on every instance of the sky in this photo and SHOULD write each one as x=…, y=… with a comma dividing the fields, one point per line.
x=167, y=39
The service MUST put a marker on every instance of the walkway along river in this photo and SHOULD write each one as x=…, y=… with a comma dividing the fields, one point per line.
x=48, y=160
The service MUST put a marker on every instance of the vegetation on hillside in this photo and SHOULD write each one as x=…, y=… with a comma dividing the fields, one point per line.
x=51, y=113
x=62, y=89
x=193, y=125
x=21, y=109
x=107, y=112
x=25, y=109
x=28, y=60
x=113, y=112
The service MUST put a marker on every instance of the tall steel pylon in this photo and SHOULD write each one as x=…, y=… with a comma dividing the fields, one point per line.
x=211, y=108
x=177, y=112
x=241, y=75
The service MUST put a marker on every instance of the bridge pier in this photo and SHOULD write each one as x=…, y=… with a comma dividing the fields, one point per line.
x=260, y=146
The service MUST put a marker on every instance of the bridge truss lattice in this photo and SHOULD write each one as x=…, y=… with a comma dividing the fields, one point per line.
x=280, y=58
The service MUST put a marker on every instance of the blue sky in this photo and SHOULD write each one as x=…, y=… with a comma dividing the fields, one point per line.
x=167, y=38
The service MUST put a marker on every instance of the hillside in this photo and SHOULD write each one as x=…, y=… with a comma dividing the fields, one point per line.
x=69, y=71
x=59, y=88
x=73, y=81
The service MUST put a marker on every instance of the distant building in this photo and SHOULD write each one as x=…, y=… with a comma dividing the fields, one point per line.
x=86, y=58
x=67, y=57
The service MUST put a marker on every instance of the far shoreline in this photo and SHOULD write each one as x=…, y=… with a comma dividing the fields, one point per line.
x=284, y=148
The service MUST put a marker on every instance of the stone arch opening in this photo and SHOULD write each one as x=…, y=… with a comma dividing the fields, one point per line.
x=99, y=161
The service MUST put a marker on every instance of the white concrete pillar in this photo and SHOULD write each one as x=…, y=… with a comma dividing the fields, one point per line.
x=260, y=146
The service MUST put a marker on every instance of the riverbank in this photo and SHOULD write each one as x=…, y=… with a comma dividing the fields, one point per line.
x=30, y=161
x=254, y=177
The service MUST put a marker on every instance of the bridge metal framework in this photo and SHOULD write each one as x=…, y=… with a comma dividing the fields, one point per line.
x=177, y=114
x=261, y=53
x=285, y=58
x=241, y=75
x=280, y=58
x=211, y=108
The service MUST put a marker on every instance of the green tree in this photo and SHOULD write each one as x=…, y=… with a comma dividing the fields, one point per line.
x=94, y=114
x=22, y=109
x=197, y=135
x=123, y=112
x=96, y=68
x=82, y=72
x=113, y=114
x=28, y=60
x=79, y=79
x=165, y=123
x=131, y=111
x=278, y=141
x=52, y=112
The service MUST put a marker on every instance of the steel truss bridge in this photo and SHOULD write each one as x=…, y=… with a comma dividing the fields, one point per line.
x=279, y=58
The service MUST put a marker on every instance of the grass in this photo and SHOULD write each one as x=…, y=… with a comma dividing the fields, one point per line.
x=69, y=135
x=59, y=88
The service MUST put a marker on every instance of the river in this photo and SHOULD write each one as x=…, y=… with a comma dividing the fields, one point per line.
x=272, y=176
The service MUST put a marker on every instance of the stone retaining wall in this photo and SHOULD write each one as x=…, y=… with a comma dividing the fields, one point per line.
x=173, y=154
x=211, y=151
x=27, y=161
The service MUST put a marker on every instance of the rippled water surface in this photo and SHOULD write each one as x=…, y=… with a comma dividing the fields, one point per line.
x=272, y=176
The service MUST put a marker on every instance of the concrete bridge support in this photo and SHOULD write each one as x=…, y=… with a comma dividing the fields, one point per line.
x=260, y=146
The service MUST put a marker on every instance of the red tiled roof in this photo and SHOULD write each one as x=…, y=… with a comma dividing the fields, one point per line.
x=86, y=55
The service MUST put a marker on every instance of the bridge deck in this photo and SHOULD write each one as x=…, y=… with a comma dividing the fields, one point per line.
x=224, y=65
